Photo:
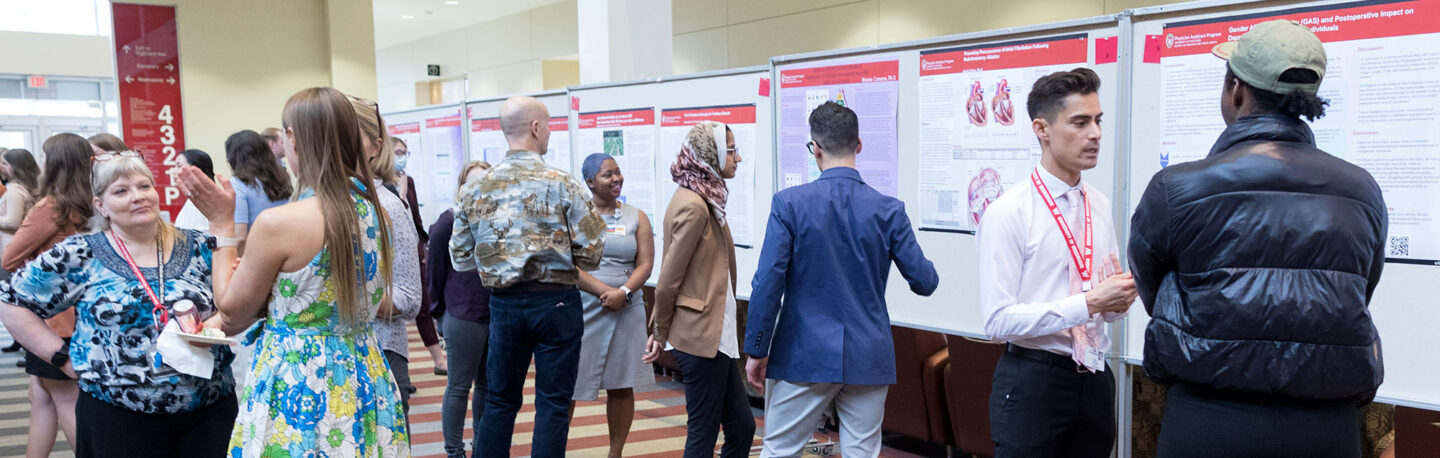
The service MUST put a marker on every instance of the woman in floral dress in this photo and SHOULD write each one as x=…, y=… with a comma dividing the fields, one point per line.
x=319, y=385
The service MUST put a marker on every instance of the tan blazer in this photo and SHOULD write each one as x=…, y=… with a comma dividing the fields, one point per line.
x=690, y=294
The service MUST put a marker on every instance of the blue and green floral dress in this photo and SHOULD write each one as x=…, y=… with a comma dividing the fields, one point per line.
x=317, y=388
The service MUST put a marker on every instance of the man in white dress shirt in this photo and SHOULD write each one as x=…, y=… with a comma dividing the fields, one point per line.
x=1050, y=281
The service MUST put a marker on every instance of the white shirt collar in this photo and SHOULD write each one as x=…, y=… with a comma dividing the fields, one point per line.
x=1056, y=186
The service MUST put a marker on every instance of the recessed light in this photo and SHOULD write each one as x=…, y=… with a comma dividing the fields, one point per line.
x=407, y=16
x=452, y=2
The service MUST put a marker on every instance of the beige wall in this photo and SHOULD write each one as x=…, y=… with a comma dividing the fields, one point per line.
x=240, y=60
x=718, y=34
x=501, y=56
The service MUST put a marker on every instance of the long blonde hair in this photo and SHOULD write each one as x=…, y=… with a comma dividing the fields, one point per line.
x=328, y=155
x=372, y=126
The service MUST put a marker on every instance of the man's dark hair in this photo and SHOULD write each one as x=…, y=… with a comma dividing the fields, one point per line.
x=835, y=128
x=1048, y=95
x=1295, y=104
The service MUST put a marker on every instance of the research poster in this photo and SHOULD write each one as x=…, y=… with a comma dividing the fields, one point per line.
x=629, y=137
x=442, y=156
x=976, y=140
x=1384, y=92
x=487, y=142
x=871, y=87
x=675, y=124
x=557, y=152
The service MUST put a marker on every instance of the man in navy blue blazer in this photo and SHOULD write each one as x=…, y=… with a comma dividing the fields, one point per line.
x=825, y=262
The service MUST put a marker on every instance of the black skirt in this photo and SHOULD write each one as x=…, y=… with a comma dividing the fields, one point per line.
x=41, y=367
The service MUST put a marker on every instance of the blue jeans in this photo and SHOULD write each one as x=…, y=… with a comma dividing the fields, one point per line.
x=547, y=325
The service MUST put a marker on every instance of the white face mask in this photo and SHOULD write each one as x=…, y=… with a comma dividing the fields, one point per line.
x=400, y=163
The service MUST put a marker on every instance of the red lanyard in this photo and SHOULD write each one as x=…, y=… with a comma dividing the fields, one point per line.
x=159, y=313
x=1082, y=259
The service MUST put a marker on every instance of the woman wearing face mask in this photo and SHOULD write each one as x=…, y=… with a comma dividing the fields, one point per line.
x=126, y=281
x=424, y=322
x=466, y=302
x=614, y=338
x=695, y=311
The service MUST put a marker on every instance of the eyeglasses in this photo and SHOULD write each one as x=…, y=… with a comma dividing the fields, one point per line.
x=811, y=145
x=732, y=150
x=114, y=155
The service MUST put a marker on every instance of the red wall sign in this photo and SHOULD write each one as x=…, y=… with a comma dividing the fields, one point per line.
x=147, y=64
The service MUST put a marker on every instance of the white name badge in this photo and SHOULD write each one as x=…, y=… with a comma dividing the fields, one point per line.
x=1094, y=360
x=615, y=230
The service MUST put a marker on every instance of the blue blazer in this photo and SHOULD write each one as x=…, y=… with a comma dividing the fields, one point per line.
x=825, y=263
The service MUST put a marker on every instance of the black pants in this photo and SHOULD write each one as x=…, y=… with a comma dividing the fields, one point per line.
x=1203, y=423
x=106, y=430
x=714, y=399
x=1040, y=406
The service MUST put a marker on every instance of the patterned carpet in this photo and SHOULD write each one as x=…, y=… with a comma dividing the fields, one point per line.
x=658, y=430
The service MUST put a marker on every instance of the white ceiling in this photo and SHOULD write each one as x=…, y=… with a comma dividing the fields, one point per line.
x=434, y=16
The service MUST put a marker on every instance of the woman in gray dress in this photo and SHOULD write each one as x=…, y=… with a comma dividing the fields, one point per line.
x=614, y=338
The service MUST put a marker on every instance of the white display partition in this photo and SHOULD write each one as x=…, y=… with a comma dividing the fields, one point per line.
x=954, y=308
x=488, y=144
x=704, y=94
x=1359, y=45
x=435, y=137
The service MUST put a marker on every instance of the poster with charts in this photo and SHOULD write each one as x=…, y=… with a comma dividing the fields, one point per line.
x=675, y=123
x=1384, y=92
x=869, y=85
x=442, y=155
x=976, y=140
x=487, y=142
x=628, y=136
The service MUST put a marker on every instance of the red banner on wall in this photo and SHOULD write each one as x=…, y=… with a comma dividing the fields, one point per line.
x=1018, y=54
x=1331, y=23
x=728, y=114
x=147, y=73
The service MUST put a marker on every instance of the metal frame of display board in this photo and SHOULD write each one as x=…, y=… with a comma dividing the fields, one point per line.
x=502, y=98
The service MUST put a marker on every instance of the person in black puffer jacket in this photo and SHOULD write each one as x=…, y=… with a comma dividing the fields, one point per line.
x=1257, y=265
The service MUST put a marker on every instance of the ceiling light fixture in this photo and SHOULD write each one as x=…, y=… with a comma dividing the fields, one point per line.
x=407, y=16
x=452, y=2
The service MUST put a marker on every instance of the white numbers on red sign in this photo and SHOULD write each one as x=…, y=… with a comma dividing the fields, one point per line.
x=167, y=138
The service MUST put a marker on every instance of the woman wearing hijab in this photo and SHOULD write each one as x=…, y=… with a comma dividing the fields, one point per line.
x=614, y=337
x=695, y=313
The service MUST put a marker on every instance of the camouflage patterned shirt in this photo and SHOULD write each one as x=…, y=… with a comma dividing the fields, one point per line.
x=524, y=220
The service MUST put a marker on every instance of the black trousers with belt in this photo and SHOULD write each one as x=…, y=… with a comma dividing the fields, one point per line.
x=1041, y=406
x=1201, y=422
x=715, y=399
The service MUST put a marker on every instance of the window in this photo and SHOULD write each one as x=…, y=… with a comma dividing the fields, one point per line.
x=70, y=17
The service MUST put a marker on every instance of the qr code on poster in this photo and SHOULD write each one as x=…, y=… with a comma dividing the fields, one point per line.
x=1399, y=246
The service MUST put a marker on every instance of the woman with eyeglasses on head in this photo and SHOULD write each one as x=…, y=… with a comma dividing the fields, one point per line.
x=405, y=294
x=125, y=281
x=320, y=267
x=258, y=181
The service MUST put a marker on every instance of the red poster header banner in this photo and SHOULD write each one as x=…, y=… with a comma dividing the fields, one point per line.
x=1332, y=23
x=152, y=118
x=559, y=123
x=447, y=121
x=402, y=129
x=483, y=125
x=729, y=114
x=869, y=72
x=618, y=118
x=1069, y=49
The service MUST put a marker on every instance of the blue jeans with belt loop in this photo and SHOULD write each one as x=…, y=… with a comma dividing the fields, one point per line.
x=548, y=325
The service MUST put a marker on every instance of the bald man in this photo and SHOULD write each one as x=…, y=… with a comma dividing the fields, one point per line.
x=529, y=229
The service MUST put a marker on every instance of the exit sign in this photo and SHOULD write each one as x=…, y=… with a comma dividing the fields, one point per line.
x=36, y=82
x=432, y=70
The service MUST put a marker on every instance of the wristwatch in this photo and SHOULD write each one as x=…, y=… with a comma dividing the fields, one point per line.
x=625, y=289
x=216, y=242
x=61, y=356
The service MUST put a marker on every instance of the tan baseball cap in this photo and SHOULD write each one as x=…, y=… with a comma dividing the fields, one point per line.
x=1269, y=49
